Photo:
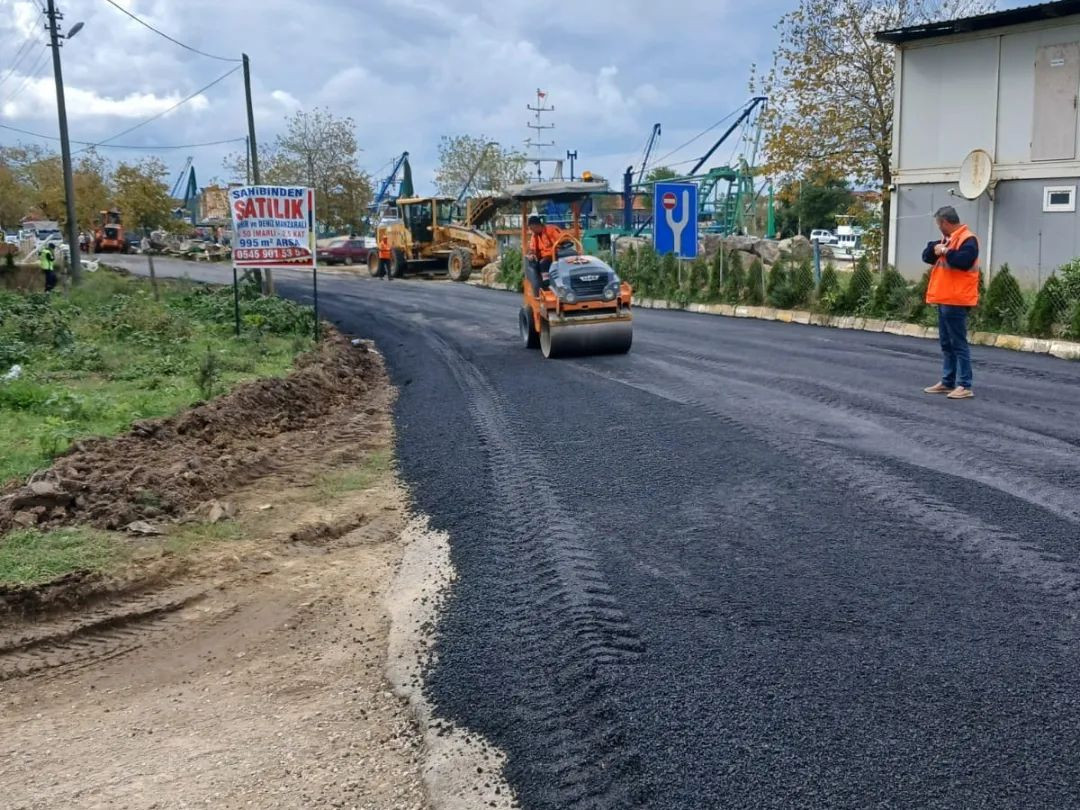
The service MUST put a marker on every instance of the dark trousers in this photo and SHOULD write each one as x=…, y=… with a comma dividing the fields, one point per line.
x=534, y=271
x=952, y=329
x=50, y=280
x=384, y=269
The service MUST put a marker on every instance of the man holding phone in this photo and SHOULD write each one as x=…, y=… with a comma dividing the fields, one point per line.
x=954, y=288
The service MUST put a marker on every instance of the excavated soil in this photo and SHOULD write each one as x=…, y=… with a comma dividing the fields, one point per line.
x=164, y=468
x=247, y=671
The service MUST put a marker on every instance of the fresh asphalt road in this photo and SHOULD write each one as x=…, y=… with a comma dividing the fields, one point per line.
x=747, y=565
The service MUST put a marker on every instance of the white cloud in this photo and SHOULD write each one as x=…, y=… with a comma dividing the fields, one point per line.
x=407, y=71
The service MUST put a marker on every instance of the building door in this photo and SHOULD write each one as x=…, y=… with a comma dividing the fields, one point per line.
x=1057, y=82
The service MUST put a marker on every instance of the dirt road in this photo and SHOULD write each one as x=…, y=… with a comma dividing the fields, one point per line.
x=249, y=673
x=748, y=565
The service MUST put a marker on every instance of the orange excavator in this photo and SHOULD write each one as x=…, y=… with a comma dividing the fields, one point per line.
x=583, y=307
x=109, y=234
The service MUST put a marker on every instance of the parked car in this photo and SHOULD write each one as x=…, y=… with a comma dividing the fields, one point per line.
x=823, y=236
x=345, y=251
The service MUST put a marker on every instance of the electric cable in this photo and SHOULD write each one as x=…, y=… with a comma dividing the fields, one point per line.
x=122, y=145
x=20, y=54
x=163, y=112
x=171, y=39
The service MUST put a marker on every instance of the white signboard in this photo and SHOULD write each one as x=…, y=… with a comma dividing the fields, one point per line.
x=273, y=226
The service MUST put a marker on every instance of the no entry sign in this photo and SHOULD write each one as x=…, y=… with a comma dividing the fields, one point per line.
x=273, y=226
x=669, y=201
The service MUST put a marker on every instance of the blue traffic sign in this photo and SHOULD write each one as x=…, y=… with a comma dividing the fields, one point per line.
x=675, y=224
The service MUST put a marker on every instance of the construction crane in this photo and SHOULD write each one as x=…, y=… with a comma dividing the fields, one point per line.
x=727, y=215
x=180, y=178
x=648, y=151
x=384, y=187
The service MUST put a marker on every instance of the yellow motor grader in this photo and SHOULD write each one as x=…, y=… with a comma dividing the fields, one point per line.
x=426, y=233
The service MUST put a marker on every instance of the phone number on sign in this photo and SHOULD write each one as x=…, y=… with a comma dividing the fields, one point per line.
x=271, y=254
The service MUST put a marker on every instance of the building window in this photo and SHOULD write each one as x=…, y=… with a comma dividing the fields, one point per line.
x=1059, y=198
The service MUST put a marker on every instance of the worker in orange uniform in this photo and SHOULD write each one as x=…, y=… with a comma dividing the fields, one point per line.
x=384, y=257
x=954, y=287
x=541, y=253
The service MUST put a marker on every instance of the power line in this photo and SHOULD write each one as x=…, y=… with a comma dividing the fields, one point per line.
x=706, y=131
x=164, y=112
x=20, y=54
x=163, y=34
x=123, y=145
x=31, y=74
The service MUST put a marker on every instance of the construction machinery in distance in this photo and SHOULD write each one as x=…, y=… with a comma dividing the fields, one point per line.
x=583, y=306
x=109, y=233
x=426, y=233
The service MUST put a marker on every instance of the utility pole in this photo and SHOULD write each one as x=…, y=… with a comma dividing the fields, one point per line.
x=253, y=162
x=55, y=36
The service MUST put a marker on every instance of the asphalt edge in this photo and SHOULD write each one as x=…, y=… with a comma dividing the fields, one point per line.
x=461, y=770
x=1063, y=349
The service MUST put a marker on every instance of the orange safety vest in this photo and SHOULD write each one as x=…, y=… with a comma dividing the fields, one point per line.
x=543, y=243
x=958, y=288
x=384, y=248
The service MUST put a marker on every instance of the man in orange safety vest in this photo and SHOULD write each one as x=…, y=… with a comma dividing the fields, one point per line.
x=954, y=288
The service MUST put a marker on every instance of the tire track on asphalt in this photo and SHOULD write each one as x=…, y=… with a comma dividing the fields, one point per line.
x=573, y=633
x=932, y=450
x=1005, y=550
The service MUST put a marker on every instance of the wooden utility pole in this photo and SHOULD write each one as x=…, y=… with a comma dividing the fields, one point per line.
x=267, y=280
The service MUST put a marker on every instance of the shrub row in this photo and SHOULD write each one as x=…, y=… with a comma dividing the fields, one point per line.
x=1054, y=311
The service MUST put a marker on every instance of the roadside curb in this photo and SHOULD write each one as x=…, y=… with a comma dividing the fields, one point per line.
x=1064, y=349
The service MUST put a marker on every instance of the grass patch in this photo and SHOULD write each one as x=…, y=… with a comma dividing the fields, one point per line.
x=186, y=539
x=334, y=484
x=110, y=354
x=32, y=557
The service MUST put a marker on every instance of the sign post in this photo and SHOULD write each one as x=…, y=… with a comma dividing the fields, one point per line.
x=273, y=226
x=675, y=222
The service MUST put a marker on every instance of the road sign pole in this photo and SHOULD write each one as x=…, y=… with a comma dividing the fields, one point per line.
x=236, y=299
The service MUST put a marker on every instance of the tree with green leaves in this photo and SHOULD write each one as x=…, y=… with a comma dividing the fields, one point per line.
x=479, y=163
x=812, y=202
x=141, y=194
x=830, y=87
x=319, y=150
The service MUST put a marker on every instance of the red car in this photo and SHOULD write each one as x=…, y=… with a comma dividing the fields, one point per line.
x=344, y=251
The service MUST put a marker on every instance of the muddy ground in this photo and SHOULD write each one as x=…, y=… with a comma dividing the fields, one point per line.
x=246, y=670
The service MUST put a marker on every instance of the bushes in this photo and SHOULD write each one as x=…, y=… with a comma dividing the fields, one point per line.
x=859, y=288
x=512, y=269
x=1051, y=308
x=1003, y=308
x=734, y=279
x=830, y=294
x=755, y=284
x=891, y=297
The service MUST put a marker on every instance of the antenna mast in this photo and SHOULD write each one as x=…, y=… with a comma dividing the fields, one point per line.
x=539, y=126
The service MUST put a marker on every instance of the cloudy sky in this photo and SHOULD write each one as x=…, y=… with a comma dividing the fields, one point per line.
x=408, y=71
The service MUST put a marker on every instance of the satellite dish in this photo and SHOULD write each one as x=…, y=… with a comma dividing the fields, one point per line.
x=975, y=173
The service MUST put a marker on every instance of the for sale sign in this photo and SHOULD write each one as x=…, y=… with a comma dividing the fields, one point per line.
x=273, y=226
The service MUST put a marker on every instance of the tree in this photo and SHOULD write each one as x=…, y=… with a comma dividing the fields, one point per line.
x=320, y=151
x=142, y=195
x=32, y=182
x=830, y=87
x=813, y=202
x=478, y=162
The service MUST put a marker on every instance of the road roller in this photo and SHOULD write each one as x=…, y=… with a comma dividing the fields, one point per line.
x=583, y=307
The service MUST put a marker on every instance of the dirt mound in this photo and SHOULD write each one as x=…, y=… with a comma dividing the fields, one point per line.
x=161, y=469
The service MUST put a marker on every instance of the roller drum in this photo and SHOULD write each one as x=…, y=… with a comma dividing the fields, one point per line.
x=576, y=339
